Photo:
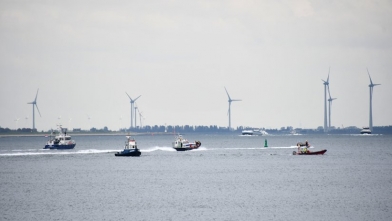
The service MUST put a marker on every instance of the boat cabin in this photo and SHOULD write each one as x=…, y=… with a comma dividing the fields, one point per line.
x=130, y=143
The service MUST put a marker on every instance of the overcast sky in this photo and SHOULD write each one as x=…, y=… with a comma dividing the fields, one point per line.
x=179, y=55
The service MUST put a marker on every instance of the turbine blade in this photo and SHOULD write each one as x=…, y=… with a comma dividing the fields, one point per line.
x=329, y=93
x=371, y=82
x=35, y=100
x=37, y=109
x=137, y=98
x=128, y=96
x=236, y=100
x=227, y=94
x=328, y=74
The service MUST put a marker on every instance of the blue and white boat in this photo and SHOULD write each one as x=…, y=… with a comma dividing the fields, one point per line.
x=130, y=149
x=61, y=140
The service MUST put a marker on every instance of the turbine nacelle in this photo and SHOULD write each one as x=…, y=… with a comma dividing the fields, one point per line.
x=132, y=101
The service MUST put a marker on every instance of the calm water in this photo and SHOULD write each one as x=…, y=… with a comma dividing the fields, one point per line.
x=229, y=178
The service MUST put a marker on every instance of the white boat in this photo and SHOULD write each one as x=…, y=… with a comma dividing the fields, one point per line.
x=61, y=140
x=294, y=132
x=253, y=132
x=182, y=144
x=247, y=132
x=366, y=130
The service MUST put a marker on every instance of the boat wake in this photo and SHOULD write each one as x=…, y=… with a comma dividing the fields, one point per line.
x=37, y=152
x=34, y=152
x=365, y=135
x=260, y=148
x=170, y=149
x=152, y=149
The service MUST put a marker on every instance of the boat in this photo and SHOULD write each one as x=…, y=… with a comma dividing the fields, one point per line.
x=253, y=132
x=130, y=149
x=366, y=130
x=294, y=133
x=61, y=140
x=320, y=152
x=182, y=144
x=247, y=132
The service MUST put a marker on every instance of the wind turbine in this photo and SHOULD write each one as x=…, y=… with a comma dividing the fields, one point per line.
x=16, y=123
x=34, y=103
x=229, y=111
x=69, y=123
x=26, y=118
x=140, y=118
x=120, y=122
x=89, y=122
x=135, y=114
x=132, y=108
x=140, y=115
x=371, y=85
x=326, y=84
x=329, y=107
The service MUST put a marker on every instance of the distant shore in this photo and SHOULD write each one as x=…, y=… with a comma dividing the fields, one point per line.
x=87, y=134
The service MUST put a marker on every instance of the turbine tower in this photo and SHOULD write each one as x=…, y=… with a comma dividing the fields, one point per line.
x=329, y=107
x=326, y=84
x=371, y=85
x=229, y=111
x=132, y=108
x=34, y=103
x=136, y=115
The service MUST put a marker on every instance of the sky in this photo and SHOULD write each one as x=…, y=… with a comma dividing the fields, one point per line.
x=84, y=56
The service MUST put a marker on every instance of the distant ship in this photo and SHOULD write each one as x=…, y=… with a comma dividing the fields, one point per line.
x=366, y=130
x=254, y=132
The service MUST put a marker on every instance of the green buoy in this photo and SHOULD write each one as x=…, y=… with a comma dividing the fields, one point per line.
x=265, y=143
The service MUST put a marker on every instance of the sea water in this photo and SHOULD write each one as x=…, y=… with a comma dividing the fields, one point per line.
x=229, y=177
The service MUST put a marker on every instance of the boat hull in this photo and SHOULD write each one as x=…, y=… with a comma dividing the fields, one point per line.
x=184, y=148
x=134, y=153
x=192, y=146
x=59, y=146
x=321, y=152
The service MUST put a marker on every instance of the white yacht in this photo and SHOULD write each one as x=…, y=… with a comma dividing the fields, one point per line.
x=366, y=130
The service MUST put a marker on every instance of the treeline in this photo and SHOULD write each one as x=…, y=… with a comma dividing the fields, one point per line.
x=19, y=130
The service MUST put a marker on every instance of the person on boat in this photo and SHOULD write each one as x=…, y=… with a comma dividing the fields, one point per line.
x=305, y=149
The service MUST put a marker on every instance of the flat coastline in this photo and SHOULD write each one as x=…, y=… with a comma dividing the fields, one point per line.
x=86, y=134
